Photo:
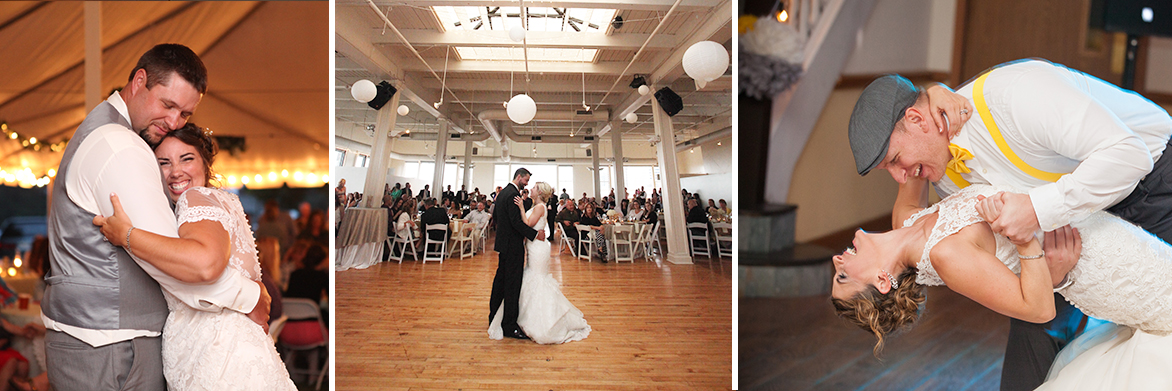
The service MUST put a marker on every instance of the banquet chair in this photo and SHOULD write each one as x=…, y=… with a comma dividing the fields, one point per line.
x=584, y=239
x=640, y=240
x=566, y=241
x=698, y=233
x=623, y=236
x=464, y=241
x=441, y=244
x=303, y=331
x=276, y=326
x=397, y=241
x=482, y=238
x=724, y=239
x=652, y=239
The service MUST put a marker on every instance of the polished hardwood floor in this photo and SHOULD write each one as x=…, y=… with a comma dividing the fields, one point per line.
x=415, y=326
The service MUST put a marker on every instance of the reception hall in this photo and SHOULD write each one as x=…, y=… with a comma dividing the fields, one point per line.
x=616, y=113
x=266, y=108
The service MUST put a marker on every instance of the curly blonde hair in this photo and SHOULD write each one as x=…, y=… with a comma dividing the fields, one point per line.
x=882, y=314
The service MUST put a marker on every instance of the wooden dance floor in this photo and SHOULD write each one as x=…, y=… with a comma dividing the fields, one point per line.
x=415, y=326
x=799, y=344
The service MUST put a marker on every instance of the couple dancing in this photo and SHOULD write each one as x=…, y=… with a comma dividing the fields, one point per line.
x=527, y=303
x=1054, y=150
x=104, y=309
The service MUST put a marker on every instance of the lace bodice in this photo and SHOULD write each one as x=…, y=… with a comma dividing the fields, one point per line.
x=1124, y=274
x=202, y=203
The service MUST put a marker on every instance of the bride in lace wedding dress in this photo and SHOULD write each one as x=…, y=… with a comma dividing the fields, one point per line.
x=1123, y=275
x=204, y=350
x=545, y=314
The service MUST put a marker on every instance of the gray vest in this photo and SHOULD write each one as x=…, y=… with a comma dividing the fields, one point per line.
x=94, y=284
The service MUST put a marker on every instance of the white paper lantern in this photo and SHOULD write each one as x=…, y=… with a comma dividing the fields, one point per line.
x=403, y=110
x=705, y=61
x=632, y=118
x=363, y=91
x=644, y=89
x=521, y=109
x=517, y=33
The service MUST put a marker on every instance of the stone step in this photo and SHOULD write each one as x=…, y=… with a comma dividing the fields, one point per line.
x=768, y=229
x=800, y=270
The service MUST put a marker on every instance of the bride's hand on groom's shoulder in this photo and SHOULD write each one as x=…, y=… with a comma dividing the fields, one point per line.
x=114, y=227
x=520, y=204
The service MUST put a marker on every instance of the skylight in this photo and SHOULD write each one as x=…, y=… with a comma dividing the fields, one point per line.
x=584, y=20
x=535, y=54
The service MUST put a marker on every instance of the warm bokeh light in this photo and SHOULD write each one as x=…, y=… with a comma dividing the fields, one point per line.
x=782, y=16
x=231, y=179
x=272, y=176
x=284, y=173
x=311, y=178
x=325, y=178
x=11, y=272
x=32, y=140
x=244, y=179
x=298, y=176
x=258, y=178
x=17, y=262
x=52, y=173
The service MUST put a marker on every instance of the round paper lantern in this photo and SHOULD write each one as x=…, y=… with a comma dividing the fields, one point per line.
x=363, y=91
x=521, y=109
x=517, y=33
x=632, y=118
x=403, y=110
x=705, y=61
x=644, y=89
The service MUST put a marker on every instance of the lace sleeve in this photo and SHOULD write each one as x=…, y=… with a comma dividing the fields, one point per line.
x=198, y=204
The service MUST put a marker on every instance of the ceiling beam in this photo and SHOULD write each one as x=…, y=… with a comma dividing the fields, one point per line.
x=631, y=5
x=534, y=39
x=611, y=68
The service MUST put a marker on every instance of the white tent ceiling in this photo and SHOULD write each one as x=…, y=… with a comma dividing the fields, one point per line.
x=268, y=72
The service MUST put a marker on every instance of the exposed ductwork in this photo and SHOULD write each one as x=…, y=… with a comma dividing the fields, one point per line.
x=488, y=116
x=680, y=147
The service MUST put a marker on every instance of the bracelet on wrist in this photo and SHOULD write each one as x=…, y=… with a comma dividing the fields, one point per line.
x=1024, y=257
x=1066, y=281
x=128, y=231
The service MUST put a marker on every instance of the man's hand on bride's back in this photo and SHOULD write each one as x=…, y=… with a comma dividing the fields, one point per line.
x=260, y=313
x=1063, y=248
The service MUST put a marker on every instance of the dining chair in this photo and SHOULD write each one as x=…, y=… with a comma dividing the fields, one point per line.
x=303, y=331
x=401, y=244
x=623, y=234
x=724, y=239
x=441, y=245
x=698, y=233
x=653, y=240
x=566, y=241
x=584, y=239
x=482, y=237
x=464, y=241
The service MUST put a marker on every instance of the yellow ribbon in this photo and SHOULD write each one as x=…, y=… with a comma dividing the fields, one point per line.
x=959, y=155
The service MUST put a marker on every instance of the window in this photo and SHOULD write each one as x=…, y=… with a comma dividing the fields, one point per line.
x=339, y=156
x=636, y=177
x=411, y=170
x=604, y=180
x=361, y=160
x=501, y=176
x=427, y=173
x=565, y=180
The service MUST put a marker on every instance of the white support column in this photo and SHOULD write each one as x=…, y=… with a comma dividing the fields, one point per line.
x=617, y=143
x=597, y=175
x=441, y=149
x=467, y=166
x=93, y=55
x=673, y=208
x=376, y=171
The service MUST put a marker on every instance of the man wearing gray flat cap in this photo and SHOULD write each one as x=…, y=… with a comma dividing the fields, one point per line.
x=1074, y=144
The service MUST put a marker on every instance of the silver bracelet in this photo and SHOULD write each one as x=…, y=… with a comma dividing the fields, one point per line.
x=1066, y=281
x=128, y=238
x=1019, y=256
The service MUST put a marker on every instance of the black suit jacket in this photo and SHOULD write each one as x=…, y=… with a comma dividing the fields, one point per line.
x=510, y=230
x=436, y=215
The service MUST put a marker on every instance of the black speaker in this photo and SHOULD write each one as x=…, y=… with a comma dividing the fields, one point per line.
x=383, y=93
x=669, y=101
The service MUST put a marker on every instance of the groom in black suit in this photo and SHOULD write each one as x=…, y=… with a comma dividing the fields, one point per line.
x=510, y=231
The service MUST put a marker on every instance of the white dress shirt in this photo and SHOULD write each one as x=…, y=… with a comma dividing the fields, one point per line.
x=115, y=160
x=1064, y=121
x=479, y=218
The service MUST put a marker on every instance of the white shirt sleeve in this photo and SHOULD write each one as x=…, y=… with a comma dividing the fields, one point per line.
x=114, y=160
x=1053, y=112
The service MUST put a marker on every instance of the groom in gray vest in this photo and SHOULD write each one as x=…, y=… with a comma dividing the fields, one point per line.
x=103, y=308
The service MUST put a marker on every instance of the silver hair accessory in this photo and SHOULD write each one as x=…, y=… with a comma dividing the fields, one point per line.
x=894, y=283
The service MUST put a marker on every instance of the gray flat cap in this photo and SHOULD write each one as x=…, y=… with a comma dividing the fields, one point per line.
x=878, y=109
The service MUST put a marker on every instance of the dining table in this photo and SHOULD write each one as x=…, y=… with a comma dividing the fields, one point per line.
x=360, y=238
x=31, y=349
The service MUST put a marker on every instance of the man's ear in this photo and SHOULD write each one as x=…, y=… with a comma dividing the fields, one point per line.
x=138, y=82
x=916, y=118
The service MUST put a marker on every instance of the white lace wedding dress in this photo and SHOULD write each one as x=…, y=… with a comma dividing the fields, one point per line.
x=221, y=350
x=1124, y=276
x=545, y=315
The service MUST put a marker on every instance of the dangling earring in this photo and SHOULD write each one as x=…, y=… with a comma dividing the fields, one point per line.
x=894, y=283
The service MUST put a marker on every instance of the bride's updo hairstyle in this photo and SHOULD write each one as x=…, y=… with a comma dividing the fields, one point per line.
x=884, y=314
x=543, y=190
x=195, y=136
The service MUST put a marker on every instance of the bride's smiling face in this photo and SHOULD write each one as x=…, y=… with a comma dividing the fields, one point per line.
x=182, y=167
x=859, y=266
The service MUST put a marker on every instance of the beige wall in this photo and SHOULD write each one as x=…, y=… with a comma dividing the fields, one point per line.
x=829, y=193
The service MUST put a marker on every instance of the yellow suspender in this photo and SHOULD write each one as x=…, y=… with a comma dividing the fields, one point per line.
x=987, y=118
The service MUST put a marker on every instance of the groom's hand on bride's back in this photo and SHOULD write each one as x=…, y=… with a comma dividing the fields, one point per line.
x=260, y=313
x=541, y=235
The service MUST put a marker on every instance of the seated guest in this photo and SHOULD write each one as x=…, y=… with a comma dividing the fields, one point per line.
x=636, y=213
x=712, y=208
x=567, y=218
x=311, y=281
x=403, y=221
x=625, y=207
x=724, y=207
x=696, y=214
x=590, y=217
x=479, y=216
x=434, y=215
x=317, y=230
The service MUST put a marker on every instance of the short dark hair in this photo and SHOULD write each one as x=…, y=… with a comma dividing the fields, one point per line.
x=193, y=135
x=165, y=58
x=521, y=172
